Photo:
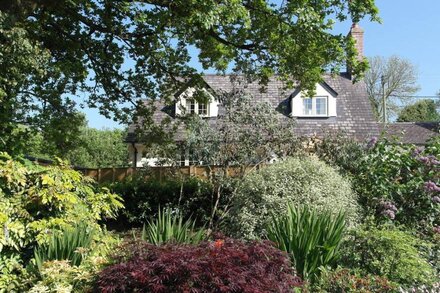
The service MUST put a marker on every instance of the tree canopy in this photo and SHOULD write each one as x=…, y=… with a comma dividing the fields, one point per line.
x=421, y=111
x=393, y=78
x=111, y=54
x=86, y=147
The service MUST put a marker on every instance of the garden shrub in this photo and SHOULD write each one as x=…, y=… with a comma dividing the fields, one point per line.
x=311, y=238
x=13, y=276
x=433, y=250
x=401, y=183
x=144, y=197
x=225, y=265
x=390, y=253
x=300, y=180
x=35, y=200
x=64, y=276
x=340, y=151
x=345, y=280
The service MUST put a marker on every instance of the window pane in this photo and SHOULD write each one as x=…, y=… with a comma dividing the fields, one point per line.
x=191, y=106
x=307, y=106
x=321, y=106
x=203, y=109
x=191, y=158
x=181, y=156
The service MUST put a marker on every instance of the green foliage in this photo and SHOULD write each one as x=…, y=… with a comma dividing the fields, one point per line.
x=344, y=280
x=398, y=182
x=340, y=151
x=390, y=253
x=34, y=200
x=246, y=134
x=421, y=111
x=87, y=147
x=66, y=245
x=12, y=274
x=433, y=251
x=100, y=149
x=169, y=226
x=32, y=85
x=62, y=276
x=22, y=60
x=224, y=33
x=311, y=238
x=144, y=197
x=301, y=180
x=56, y=138
x=57, y=275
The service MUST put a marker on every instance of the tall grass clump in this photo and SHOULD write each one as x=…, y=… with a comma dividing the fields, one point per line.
x=170, y=226
x=65, y=246
x=312, y=238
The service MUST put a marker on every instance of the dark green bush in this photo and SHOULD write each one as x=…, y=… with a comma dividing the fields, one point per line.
x=390, y=253
x=144, y=197
x=340, y=151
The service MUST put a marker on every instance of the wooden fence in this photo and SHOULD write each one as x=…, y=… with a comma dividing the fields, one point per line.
x=118, y=174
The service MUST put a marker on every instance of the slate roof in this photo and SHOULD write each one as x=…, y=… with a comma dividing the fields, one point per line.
x=412, y=132
x=354, y=114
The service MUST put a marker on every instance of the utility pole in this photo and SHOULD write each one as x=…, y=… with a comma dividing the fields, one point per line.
x=384, y=102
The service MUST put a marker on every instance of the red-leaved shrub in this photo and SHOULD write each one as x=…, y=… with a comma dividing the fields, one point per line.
x=225, y=265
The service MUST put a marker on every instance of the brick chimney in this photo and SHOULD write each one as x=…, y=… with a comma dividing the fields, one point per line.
x=357, y=33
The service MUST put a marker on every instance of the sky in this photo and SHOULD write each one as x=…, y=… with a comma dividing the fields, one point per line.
x=409, y=29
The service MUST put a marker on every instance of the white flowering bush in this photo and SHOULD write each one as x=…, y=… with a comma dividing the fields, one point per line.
x=302, y=180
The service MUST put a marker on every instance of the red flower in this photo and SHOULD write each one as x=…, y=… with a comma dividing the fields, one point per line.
x=219, y=243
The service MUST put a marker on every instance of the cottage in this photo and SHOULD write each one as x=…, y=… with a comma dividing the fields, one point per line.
x=338, y=105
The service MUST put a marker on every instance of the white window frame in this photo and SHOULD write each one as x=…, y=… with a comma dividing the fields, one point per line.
x=314, y=114
x=197, y=108
x=205, y=108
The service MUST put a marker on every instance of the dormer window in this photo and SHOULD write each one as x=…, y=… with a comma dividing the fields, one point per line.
x=322, y=105
x=193, y=107
x=187, y=104
x=316, y=106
